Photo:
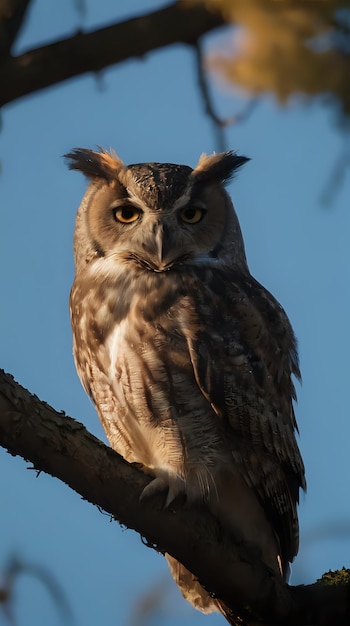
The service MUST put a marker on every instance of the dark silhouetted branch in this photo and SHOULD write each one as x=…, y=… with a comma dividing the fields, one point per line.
x=91, y=52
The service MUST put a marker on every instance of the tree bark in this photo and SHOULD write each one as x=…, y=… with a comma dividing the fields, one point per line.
x=234, y=573
x=91, y=52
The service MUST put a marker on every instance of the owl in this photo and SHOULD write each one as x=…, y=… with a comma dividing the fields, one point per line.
x=187, y=358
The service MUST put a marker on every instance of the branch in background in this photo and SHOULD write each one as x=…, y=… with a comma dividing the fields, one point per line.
x=219, y=123
x=12, y=15
x=13, y=570
x=91, y=52
x=337, y=174
x=234, y=573
x=80, y=7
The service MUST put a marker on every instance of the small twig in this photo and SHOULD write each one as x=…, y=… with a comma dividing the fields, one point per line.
x=243, y=115
x=219, y=123
x=80, y=7
x=16, y=567
x=336, y=177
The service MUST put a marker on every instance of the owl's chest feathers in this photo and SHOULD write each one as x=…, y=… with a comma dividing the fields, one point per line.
x=146, y=341
x=141, y=331
x=145, y=304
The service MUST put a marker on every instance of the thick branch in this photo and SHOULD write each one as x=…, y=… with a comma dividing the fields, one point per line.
x=91, y=52
x=233, y=572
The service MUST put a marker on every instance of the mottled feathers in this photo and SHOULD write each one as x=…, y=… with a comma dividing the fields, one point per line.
x=188, y=359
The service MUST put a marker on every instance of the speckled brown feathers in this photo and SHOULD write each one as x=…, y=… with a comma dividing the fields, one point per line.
x=187, y=358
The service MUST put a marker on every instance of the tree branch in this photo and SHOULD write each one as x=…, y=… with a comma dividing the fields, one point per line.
x=233, y=572
x=91, y=52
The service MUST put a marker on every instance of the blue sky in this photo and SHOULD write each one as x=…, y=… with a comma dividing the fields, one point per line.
x=150, y=110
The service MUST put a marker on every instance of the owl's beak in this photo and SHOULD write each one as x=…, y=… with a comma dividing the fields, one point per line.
x=160, y=250
x=158, y=230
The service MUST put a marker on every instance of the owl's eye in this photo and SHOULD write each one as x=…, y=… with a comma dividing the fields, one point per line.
x=192, y=215
x=127, y=214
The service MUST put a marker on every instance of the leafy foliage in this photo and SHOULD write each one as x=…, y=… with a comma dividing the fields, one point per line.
x=286, y=47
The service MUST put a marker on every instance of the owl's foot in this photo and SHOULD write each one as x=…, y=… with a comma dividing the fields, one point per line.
x=174, y=485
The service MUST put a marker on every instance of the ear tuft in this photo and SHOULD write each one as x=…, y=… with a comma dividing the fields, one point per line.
x=93, y=164
x=217, y=168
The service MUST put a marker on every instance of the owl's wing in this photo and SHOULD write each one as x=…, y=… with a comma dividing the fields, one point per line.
x=244, y=368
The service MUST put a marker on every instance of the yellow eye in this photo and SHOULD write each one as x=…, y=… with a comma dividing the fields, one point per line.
x=127, y=214
x=192, y=215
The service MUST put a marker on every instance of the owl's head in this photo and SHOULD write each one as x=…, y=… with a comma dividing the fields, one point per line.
x=158, y=215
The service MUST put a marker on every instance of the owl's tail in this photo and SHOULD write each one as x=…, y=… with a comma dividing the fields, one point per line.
x=190, y=587
x=194, y=593
x=238, y=510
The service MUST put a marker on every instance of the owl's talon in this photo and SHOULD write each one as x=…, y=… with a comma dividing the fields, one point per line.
x=173, y=493
x=174, y=487
x=157, y=485
x=138, y=466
